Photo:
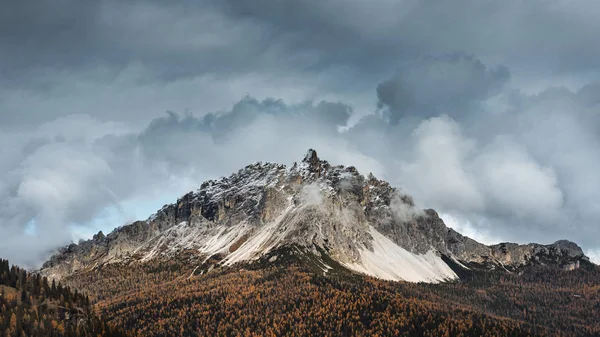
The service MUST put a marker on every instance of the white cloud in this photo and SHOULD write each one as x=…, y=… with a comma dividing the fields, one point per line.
x=516, y=185
x=465, y=227
x=594, y=255
x=437, y=174
x=311, y=195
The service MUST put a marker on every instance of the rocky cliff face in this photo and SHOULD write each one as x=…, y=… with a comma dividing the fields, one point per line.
x=361, y=222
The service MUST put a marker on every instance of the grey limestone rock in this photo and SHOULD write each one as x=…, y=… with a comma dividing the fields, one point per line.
x=312, y=204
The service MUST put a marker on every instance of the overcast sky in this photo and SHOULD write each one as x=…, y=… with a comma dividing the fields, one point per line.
x=487, y=111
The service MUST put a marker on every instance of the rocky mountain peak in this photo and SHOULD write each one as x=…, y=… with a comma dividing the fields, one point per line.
x=98, y=237
x=312, y=166
x=311, y=158
x=362, y=223
x=569, y=248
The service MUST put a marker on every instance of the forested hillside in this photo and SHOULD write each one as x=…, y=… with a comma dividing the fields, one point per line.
x=167, y=298
x=292, y=302
x=170, y=297
x=32, y=306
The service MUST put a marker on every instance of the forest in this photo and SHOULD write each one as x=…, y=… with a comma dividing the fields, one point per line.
x=164, y=298
x=172, y=297
x=33, y=307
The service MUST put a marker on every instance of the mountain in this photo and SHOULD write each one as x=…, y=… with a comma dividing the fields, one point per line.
x=315, y=249
x=333, y=215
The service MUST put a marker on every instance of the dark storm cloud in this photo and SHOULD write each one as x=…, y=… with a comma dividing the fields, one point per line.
x=132, y=60
x=534, y=34
x=432, y=86
x=96, y=52
x=47, y=33
x=183, y=39
x=173, y=40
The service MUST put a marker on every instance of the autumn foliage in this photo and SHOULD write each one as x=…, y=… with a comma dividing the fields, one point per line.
x=32, y=306
x=163, y=298
x=178, y=297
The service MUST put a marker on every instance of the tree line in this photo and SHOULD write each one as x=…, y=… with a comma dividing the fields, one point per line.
x=31, y=305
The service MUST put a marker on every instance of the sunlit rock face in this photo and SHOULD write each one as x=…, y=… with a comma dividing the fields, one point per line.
x=360, y=222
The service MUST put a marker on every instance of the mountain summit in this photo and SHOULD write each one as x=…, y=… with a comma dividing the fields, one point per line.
x=332, y=213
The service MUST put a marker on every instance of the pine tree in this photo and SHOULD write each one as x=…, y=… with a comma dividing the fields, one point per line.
x=12, y=327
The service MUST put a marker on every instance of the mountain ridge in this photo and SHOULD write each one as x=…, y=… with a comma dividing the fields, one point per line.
x=362, y=222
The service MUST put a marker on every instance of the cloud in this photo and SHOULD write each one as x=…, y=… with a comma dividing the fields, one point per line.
x=516, y=184
x=124, y=54
x=403, y=211
x=536, y=35
x=437, y=173
x=594, y=255
x=465, y=227
x=439, y=85
x=311, y=195
x=528, y=176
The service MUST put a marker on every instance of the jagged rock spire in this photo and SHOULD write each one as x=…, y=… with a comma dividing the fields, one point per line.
x=312, y=159
x=99, y=237
x=311, y=156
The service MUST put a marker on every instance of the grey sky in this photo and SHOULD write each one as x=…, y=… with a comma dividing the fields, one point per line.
x=487, y=111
